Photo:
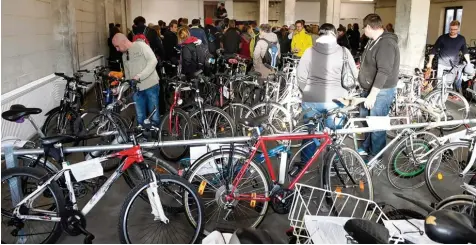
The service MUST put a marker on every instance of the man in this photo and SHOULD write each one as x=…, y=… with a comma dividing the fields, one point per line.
x=198, y=32
x=171, y=42
x=139, y=64
x=212, y=35
x=378, y=78
x=151, y=35
x=301, y=40
x=342, y=39
x=221, y=11
x=231, y=39
x=447, y=47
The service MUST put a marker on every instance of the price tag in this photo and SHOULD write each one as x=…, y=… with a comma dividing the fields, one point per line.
x=87, y=169
x=226, y=93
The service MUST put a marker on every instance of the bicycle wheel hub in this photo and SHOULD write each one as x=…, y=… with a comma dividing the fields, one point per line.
x=221, y=196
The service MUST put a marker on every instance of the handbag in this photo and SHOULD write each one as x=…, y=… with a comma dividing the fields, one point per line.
x=347, y=77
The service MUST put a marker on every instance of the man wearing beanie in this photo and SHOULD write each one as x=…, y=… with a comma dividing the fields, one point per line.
x=211, y=31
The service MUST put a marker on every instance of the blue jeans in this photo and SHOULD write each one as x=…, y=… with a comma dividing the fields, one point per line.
x=146, y=101
x=376, y=141
x=331, y=122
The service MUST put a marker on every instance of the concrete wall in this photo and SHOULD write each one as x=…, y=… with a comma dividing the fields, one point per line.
x=308, y=11
x=88, y=29
x=166, y=10
x=27, y=42
x=355, y=12
x=246, y=10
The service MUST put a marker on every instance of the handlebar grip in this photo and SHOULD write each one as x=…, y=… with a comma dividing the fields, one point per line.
x=84, y=70
x=84, y=82
x=59, y=74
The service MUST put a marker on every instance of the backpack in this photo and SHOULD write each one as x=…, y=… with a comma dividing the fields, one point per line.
x=204, y=58
x=140, y=36
x=210, y=37
x=271, y=57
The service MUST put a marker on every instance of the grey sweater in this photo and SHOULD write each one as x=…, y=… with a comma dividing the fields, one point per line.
x=319, y=72
x=140, y=61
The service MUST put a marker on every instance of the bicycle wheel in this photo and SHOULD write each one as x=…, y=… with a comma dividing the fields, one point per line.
x=443, y=174
x=23, y=181
x=312, y=174
x=452, y=102
x=177, y=126
x=238, y=111
x=174, y=192
x=211, y=175
x=66, y=123
x=465, y=204
x=408, y=160
x=347, y=172
x=401, y=213
x=218, y=123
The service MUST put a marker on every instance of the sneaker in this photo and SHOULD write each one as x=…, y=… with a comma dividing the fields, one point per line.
x=362, y=152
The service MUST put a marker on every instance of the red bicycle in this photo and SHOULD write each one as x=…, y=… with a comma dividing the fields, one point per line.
x=237, y=191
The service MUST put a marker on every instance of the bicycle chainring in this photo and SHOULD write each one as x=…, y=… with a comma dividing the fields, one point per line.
x=71, y=220
x=281, y=201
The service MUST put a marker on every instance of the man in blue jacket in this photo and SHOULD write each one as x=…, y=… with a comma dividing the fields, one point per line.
x=198, y=32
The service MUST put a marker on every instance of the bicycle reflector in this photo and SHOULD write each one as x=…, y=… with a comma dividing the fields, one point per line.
x=202, y=186
x=440, y=176
x=361, y=185
x=253, y=202
x=338, y=191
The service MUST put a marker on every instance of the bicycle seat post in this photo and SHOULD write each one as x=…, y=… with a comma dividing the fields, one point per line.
x=33, y=123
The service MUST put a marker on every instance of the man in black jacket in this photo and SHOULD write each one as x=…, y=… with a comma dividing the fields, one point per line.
x=152, y=36
x=378, y=77
x=171, y=45
x=221, y=12
x=342, y=39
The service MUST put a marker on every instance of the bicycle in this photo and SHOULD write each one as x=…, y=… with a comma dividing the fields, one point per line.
x=64, y=213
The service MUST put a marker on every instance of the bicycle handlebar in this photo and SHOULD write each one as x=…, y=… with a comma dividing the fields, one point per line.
x=70, y=79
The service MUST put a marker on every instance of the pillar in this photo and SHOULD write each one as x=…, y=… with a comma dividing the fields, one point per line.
x=330, y=12
x=263, y=11
x=289, y=12
x=102, y=27
x=64, y=34
x=411, y=27
x=229, y=8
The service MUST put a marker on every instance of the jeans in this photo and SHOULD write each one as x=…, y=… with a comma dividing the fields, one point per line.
x=458, y=79
x=331, y=122
x=146, y=101
x=376, y=141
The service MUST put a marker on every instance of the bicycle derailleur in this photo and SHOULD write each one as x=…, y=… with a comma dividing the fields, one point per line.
x=74, y=224
x=281, y=201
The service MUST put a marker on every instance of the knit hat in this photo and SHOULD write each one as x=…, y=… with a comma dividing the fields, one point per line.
x=208, y=21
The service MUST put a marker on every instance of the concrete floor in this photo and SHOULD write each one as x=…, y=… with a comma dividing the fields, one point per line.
x=103, y=219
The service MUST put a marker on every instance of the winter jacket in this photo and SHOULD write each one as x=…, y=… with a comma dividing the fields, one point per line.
x=320, y=70
x=260, y=51
x=355, y=40
x=212, y=46
x=284, y=43
x=152, y=36
x=231, y=41
x=199, y=33
x=170, y=43
x=189, y=56
x=380, y=63
x=245, y=45
x=301, y=41
x=220, y=13
x=343, y=41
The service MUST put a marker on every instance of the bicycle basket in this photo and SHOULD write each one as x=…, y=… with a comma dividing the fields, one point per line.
x=318, y=216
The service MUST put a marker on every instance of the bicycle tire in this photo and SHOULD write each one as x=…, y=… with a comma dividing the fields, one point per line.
x=433, y=160
x=53, y=188
x=164, y=127
x=450, y=93
x=238, y=155
x=218, y=111
x=460, y=200
x=187, y=187
x=311, y=172
x=76, y=127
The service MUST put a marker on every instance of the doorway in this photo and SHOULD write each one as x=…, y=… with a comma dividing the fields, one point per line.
x=209, y=8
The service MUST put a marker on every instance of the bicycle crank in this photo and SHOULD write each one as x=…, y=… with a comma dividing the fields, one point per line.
x=74, y=224
x=281, y=201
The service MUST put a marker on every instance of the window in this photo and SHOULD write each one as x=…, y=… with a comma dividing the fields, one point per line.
x=452, y=13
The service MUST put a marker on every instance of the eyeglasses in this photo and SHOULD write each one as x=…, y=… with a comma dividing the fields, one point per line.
x=454, y=29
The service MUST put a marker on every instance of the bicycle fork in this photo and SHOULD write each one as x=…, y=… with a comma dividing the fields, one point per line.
x=156, y=204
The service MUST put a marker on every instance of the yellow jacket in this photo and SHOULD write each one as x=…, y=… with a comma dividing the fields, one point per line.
x=301, y=41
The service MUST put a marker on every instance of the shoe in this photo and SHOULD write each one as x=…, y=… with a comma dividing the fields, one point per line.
x=296, y=169
x=362, y=152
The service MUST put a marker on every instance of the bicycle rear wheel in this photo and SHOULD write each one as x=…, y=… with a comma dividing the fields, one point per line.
x=177, y=126
x=23, y=181
x=455, y=105
x=174, y=193
x=465, y=204
x=218, y=123
x=443, y=173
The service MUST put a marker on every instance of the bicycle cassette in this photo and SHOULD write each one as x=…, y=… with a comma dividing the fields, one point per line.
x=71, y=220
x=281, y=201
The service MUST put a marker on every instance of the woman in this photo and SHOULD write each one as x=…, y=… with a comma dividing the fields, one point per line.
x=319, y=77
x=355, y=38
x=189, y=51
x=245, y=43
x=349, y=31
x=284, y=41
x=231, y=39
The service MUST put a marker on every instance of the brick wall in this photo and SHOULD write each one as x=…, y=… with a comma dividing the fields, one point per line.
x=27, y=42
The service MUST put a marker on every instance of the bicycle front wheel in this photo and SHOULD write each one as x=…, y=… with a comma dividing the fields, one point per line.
x=443, y=173
x=465, y=204
x=455, y=106
x=137, y=224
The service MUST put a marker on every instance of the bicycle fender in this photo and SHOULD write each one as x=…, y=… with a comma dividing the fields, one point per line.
x=53, y=111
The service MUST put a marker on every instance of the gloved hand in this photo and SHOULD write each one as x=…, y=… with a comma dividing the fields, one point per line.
x=371, y=98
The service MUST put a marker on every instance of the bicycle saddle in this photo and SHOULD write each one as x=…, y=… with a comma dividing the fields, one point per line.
x=251, y=236
x=233, y=61
x=253, y=122
x=16, y=112
x=64, y=139
x=366, y=231
x=447, y=226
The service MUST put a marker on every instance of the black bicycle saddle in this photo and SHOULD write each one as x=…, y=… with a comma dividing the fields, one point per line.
x=64, y=139
x=251, y=236
x=18, y=111
x=366, y=231
x=447, y=226
x=253, y=122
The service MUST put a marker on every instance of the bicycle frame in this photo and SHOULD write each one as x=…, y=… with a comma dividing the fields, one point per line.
x=261, y=144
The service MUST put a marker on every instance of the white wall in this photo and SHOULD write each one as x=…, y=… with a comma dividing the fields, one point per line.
x=308, y=11
x=88, y=29
x=355, y=12
x=166, y=10
x=246, y=10
x=27, y=42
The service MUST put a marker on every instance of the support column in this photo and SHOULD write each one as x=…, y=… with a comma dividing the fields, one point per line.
x=411, y=27
x=229, y=8
x=102, y=26
x=263, y=11
x=65, y=41
x=289, y=12
x=330, y=12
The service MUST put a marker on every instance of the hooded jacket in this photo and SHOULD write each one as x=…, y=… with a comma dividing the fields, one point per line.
x=189, y=55
x=302, y=41
x=153, y=38
x=319, y=71
x=260, y=51
x=380, y=63
x=199, y=33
